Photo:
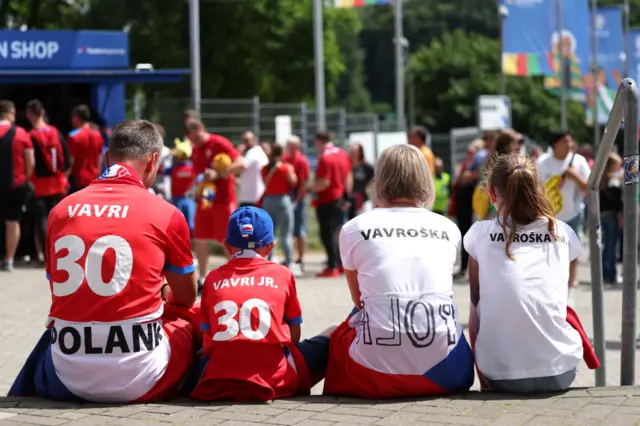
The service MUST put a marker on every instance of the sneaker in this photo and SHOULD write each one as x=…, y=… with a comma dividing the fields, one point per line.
x=328, y=273
x=300, y=264
x=295, y=269
x=7, y=265
x=341, y=269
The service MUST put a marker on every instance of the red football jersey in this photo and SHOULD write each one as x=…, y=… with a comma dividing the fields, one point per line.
x=85, y=146
x=334, y=165
x=108, y=247
x=300, y=166
x=182, y=179
x=53, y=158
x=246, y=306
x=201, y=159
x=21, y=143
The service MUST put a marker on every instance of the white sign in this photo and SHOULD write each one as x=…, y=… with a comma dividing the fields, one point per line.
x=283, y=129
x=494, y=112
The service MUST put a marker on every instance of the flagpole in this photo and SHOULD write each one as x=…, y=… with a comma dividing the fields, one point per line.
x=562, y=63
x=503, y=12
x=627, y=39
x=399, y=45
x=318, y=45
x=594, y=70
x=194, y=47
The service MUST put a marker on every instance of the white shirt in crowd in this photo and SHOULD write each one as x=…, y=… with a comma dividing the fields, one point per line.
x=523, y=331
x=405, y=259
x=251, y=185
x=550, y=169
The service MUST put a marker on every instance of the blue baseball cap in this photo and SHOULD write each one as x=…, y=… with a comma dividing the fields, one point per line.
x=250, y=228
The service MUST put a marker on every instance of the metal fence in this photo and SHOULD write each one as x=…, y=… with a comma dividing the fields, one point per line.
x=625, y=108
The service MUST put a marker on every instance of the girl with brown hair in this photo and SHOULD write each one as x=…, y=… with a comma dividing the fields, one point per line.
x=521, y=264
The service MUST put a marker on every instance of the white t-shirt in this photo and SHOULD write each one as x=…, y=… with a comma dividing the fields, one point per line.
x=405, y=259
x=522, y=312
x=565, y=196
x=251, y=184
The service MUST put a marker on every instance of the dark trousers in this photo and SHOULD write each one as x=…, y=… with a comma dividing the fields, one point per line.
x=329, y=219
x=610, y=231
x=42, y=208
x=464, y=218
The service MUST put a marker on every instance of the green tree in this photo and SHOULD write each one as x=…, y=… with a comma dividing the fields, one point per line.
x=455, y=69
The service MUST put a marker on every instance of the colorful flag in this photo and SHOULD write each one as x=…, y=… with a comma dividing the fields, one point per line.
x=348, y=4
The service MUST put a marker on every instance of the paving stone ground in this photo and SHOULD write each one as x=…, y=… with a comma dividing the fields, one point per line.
x=26, y=299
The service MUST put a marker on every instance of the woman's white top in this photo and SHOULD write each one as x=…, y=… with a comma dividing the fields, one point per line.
x=523, y=331
x=405, y=259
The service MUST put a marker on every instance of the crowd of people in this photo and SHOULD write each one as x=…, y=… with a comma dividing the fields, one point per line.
x=124, y=256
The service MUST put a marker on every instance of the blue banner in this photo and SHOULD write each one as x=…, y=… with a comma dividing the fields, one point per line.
x=610, y=62
x=21, y=50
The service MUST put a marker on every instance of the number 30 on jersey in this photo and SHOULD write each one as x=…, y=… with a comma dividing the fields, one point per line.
x=91, y=271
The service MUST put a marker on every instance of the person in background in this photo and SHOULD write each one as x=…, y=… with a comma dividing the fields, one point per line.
x=279, y=177
x=610, y=210
x=418, y=136
x=300, y=164
x=362, y=179
x=586, y=151
x=182, y=180
x=211, y=220
x=332, y=181
x=266, y=147
x=85, y=147
x=462, y=195
x=522, y=332
x=52, y=160
x=16, y=168
x=564, y=174
x=442, y=181
x=476, y=168
x=534, y=153
x=251, y=184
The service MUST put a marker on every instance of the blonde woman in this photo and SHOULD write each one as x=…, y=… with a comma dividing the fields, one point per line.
x=403, y=339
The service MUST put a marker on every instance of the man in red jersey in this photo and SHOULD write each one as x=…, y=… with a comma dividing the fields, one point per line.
x=110, y=248
x=332, y=186
x=85, y=147
x=51, y=162
x=251, y=320
x=300, y=165
x=16, y=168
x=211, y=221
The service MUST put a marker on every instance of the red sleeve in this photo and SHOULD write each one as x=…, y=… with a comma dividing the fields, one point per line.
x=292, y=309
x=26, y=140
x=322, y=171
x=71, y=144
x=179, y=259
x=225, y=145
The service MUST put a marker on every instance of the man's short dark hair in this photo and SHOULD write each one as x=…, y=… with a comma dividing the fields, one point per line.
x=190, y=113
x=324, y=137
x=6, y=108
x=82, y=112
x=558, y=135
x=35, y=107
x=421, y=132
x=134, y=140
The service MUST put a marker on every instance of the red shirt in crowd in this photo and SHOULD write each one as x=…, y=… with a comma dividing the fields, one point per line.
x=278, y=184
x=300, y=167
x=50, y=144
x=334, y=164
x=85, y=147
x=247, y=306
x=21, y=142
x=202, y=157
x=182, y=179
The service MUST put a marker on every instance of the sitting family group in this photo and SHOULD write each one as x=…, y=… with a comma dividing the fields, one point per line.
x=117, y=333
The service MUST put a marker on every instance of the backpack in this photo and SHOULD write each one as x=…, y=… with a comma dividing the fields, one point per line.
x=51, y=153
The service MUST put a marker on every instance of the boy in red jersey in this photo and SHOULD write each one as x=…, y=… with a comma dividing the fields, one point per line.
x=251, y=320
x=182, y=179
x=85, y=147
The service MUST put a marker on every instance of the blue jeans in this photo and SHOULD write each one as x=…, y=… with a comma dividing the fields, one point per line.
x=280, y=209
x=610, y=233
x=535, y=384
x=188, y=208
x=299, y=220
